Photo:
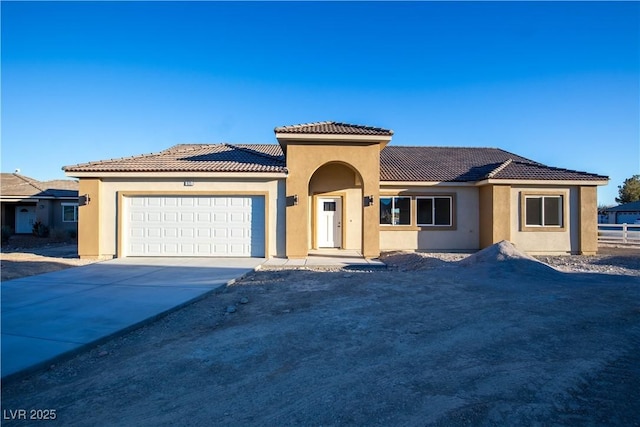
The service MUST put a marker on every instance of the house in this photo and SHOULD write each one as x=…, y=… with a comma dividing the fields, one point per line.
x=330, y=185
x=629, y=213
x=25, y=200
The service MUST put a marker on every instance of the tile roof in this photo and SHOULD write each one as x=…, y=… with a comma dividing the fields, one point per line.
x=16, y=185
x=527, y=171
x=467, y=164
x=627, y=207
x=195, y=158
x=455, y=164
x=333, y=128
x=397, y=163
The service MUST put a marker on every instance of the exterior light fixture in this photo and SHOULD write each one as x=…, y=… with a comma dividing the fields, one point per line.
x=292, y=200
x=368, y=200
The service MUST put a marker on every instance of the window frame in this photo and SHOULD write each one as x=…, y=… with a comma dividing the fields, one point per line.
x=433, y=197
x=75, y=212
x=562, y=206
x=393, y=203
x=413, y=196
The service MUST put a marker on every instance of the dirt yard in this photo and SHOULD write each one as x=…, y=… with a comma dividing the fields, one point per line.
x=495, y=339
x=27, y=255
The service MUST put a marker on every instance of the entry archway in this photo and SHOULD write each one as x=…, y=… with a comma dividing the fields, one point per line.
x=335, y=200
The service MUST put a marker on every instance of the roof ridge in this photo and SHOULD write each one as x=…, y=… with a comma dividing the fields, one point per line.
x=521, y=157
x=254, y=152
x=189, y=147
x=32, y=182
x=499, y=168
x=299, y=125
x=446, y=146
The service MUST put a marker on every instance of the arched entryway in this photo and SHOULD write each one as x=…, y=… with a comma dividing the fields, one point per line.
x=335, y=200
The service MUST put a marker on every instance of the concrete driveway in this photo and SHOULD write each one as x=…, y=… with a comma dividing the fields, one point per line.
x=47, y=316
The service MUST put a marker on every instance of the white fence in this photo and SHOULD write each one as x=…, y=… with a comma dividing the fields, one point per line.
x=619, y=233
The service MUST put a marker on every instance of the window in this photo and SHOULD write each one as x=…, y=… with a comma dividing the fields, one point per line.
x=543, y=211
x=395, y=210
x=434, y=211
x=329, y=206
x=69, y=212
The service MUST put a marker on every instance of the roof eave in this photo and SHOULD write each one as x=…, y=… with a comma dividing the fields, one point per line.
x=175, y=174
x=331, y=137
x=426, y=183
x=579, y=182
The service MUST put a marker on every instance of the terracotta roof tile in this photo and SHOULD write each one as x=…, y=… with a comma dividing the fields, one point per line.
x=397, y=163
x=334, y=128
x=16, y=185
x=453, y=164
x=520, y=170
x=193, y=158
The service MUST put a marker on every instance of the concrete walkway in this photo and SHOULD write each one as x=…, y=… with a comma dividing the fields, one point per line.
x=52, y=315
x=341, y=258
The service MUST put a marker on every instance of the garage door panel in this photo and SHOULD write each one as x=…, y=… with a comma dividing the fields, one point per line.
x=194, y=226
x=171, y=249
x=170, y=232
x=154, y=232
x=154, y=248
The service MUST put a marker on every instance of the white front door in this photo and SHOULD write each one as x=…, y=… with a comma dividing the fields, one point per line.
x=329, y=221
x=25, y=218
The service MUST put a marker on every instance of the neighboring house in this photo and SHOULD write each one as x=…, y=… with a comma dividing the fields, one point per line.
x=331, y=185
x=25, y=200
x=629, y=213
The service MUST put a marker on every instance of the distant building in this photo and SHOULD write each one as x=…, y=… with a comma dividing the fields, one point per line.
x=24, y=200
x=629, y=213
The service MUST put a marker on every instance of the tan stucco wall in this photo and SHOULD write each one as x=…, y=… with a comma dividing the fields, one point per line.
x=104, y=240
x=89, y=224
x=464, y=236
x=494, y=214
x=547, y=242
x=588, y=220
x=303, y=160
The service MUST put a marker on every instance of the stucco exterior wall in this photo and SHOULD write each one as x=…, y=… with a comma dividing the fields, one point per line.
x=495, y=214
x=89, y=220
x=303, y=160
x=464, y=237
x=111, y=187
x=560, y=241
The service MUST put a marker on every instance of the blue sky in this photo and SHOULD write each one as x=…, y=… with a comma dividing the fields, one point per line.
x=558, y=82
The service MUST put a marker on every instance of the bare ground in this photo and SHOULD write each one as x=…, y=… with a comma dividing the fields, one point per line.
x=26, y=255
x=492, y=342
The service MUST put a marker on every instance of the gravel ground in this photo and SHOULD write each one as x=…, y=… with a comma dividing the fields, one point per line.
x=610, y=259
x=495, y=339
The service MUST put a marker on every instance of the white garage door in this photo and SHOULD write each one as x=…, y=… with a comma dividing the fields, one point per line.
x=194, y=226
